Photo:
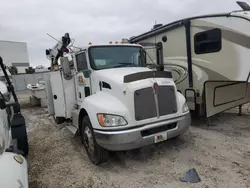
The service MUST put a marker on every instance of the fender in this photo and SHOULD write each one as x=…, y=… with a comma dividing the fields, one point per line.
x=180, y=102
x=181, y=99
x=13, y=173
x=103, y=102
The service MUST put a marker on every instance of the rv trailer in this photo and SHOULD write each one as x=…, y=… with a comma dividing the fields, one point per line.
x=209, y=57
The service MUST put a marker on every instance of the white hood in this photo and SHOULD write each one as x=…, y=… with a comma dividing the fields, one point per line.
x=117, y=74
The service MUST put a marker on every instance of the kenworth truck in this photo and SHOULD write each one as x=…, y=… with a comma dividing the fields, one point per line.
x=113, y=100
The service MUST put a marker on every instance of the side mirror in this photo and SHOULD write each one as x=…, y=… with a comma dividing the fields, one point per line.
x=2, y=104
x=86, y=73
x=159, y=56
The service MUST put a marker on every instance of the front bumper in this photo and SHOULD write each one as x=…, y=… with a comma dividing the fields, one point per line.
x=142, y=136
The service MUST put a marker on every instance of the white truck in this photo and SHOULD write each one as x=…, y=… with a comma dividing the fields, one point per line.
x=112, y=99
x=13, y=139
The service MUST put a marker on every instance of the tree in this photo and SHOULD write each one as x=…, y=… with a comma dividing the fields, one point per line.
x=13, y=70
x=40, y=67
x=30, y=70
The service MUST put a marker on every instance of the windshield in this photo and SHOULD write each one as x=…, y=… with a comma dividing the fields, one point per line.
x=104, y=57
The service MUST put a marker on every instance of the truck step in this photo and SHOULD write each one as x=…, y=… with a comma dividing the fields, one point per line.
x=72, y=129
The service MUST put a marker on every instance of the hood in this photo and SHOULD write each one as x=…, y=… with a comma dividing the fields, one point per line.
x=117, y=74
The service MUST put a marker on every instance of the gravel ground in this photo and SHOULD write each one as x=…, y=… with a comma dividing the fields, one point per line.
x=220, y=154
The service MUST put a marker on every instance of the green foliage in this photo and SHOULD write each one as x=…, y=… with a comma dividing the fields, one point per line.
x=30, y=70
x=13, y=70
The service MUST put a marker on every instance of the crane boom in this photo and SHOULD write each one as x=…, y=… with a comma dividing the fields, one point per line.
x=58, y=50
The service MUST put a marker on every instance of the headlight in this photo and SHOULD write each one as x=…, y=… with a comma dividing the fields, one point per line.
x=185, y=108
x=2, y=145
x=19, y=159
x=108, y=120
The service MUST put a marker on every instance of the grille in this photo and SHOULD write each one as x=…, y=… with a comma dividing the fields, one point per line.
x=145, y=102
x=167, y=100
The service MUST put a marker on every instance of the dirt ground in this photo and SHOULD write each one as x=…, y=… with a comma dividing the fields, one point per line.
x=219, y=153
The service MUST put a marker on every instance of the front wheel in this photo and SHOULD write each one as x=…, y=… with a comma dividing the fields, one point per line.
x=96, y=153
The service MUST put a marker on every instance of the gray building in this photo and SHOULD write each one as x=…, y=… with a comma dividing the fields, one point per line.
x=15, y=54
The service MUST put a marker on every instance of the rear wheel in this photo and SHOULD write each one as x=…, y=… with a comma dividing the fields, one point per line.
x=96, y=153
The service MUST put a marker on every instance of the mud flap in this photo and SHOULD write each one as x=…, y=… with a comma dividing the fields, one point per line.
x=18, y=131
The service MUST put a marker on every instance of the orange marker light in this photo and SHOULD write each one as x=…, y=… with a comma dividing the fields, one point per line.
x=110, y=42
x=101, y=120
x=116, y=42
x=90, y=43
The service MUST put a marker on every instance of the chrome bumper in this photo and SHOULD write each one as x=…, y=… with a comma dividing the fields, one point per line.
x=135, y=137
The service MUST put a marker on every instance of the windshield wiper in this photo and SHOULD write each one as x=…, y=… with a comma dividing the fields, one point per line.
x=124, y=65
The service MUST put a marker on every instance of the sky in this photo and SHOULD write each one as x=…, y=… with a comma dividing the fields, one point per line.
x=96, y=21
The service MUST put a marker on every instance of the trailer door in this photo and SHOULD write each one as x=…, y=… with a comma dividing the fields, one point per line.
x=223, y=95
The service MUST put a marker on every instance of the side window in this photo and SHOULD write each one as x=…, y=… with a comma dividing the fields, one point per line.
x=207, y=41
x=81, y=62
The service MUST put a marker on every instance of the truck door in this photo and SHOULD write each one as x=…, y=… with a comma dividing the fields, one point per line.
x=82, y=77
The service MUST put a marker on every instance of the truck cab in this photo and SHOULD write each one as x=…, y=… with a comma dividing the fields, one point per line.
x=115, y=101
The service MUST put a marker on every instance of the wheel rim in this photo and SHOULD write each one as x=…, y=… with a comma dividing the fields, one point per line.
x=88, y=140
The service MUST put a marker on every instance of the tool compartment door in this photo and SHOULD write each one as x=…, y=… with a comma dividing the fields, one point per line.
x=58, y=94
x=223, y=95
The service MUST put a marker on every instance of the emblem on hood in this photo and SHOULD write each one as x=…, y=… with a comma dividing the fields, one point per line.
x=155, y=87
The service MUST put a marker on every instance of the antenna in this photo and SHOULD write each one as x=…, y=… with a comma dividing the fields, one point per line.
x=53, y=37
x=243, y=5
x=155, y=35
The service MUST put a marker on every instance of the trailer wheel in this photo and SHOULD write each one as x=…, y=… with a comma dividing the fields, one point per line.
x=96, y=153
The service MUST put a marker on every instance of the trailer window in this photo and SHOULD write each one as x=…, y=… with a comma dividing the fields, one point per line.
x=207, y=41
x=81, y=62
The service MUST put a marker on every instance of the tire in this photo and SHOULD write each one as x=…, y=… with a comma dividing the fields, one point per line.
x=22, y=145
x=96, y=153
